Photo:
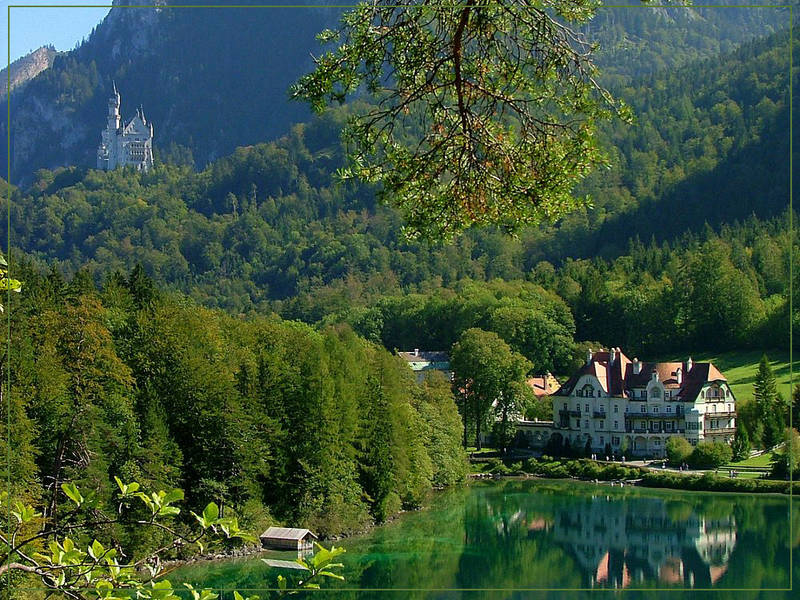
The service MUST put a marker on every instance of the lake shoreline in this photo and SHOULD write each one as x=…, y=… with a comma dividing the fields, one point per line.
x=657, y=481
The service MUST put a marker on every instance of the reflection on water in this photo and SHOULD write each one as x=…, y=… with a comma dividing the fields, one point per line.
x=526, y=535
x=618, y=541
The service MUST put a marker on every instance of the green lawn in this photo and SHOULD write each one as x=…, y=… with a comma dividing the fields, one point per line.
x=740, y=369
x=762, y=461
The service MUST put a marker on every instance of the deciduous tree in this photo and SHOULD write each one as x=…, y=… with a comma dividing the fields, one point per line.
x=485, y=112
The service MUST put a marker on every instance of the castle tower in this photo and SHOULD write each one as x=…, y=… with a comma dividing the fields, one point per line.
x=123, y=145
x=113, y=110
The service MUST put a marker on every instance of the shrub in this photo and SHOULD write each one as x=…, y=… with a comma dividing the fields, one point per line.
x=678, y=450
x=710, y=455
x=496, y=467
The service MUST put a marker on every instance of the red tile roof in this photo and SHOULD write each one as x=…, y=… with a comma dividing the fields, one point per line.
x=618, y=378
x=543, y=386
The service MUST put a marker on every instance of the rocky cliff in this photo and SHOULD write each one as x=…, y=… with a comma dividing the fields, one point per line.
x=22, y=70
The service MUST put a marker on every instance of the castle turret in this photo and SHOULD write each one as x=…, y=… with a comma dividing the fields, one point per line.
x=113, y=110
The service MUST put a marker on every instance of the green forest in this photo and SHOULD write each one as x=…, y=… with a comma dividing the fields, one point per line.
x=271, y=419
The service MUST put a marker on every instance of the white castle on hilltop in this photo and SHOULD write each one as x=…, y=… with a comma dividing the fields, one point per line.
x=128, y=145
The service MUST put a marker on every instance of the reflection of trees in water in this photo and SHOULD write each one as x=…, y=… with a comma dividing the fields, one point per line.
x=540, y=534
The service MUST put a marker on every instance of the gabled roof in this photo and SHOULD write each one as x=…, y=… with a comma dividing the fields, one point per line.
x=437, y=356
x=618, y=378
x=543, y=386
x=286, y=533
x=136, y=125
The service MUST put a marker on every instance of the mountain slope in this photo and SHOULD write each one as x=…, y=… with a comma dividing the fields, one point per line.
x=212, y=79
x=22, y=70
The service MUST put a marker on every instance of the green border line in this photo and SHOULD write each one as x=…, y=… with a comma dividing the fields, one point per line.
x=400, y=590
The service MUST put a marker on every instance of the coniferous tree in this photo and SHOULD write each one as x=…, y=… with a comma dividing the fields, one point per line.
x=765, y=392
x=741, y=444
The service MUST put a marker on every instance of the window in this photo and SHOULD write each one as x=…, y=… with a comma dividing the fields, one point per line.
x=565, y=406
x=655, y=409
x=669, y=409
x=601, y=439
x=644, y=408
x=602, y=424
x=577, y=424
x=587, y=408
x=616, y=408
x=655, y=393
x=586, y=424
x=615, y=441
x=616, y=424
x=657, y=442
x=669, y=426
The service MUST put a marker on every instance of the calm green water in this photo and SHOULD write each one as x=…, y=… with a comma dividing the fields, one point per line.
x=573, y=537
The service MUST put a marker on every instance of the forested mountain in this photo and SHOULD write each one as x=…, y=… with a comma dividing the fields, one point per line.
x=269, y=222
x=212, y=79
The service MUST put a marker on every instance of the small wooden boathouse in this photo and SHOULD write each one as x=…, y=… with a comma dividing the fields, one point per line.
x=287, y=538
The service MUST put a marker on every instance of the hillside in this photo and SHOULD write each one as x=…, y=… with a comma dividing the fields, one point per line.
x=270, y=221
x=22, y=70
x=231, y=89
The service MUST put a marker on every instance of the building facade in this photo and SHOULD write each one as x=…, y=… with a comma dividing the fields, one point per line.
x=422, y=361
x=634, y=407
x=131, y=144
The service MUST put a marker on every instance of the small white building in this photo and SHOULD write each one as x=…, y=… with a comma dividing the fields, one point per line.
x=131, y=144
x=635, y=407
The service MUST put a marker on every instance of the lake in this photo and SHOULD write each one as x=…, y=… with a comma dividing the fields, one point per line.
x=504, y=539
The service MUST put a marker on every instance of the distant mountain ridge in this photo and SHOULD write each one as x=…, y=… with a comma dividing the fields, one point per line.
x=25, y=68
x=213, y=79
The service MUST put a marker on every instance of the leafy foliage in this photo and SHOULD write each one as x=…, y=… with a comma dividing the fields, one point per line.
x=485, y=112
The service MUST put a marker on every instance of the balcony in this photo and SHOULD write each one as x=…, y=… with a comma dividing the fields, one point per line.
x=655, y=430
x=727, y=413
x=653, y=415
x=599, y=414
x=719, y=431
x=564, y=413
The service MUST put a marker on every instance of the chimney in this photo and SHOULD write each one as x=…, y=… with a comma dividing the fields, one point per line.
x=637, y=366
x=589, y=357
x=655, y=374
x=612, y=356
x=679, y=375
x=416, y=351
x=689, y=364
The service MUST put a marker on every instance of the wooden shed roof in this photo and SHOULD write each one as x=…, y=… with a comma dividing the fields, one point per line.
x=287, y=533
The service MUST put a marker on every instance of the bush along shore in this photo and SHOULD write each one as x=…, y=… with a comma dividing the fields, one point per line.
x=590, y=470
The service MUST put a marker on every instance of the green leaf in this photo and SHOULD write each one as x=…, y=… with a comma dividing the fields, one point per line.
x=169, y=510
x=211, y=514
x=173, y=496
x=96, y=550
x=72, y=493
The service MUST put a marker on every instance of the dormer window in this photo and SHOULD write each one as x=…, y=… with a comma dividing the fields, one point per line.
x=655, y=393
x=588, y=391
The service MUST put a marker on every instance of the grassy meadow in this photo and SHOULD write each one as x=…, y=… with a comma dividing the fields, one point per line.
x=740, y=369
